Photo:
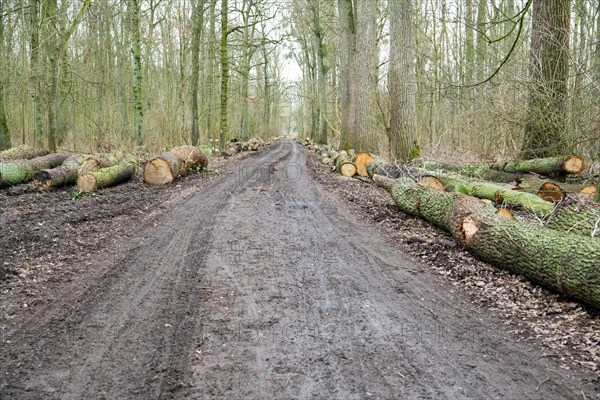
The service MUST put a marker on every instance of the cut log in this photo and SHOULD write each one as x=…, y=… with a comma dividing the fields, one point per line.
x=566, y=263
x=95, y=162
x=345, y=166
x=15, y=172
x=477, y=171
x=91, y=181
x=64, y=175
x=502, y=195
x=552, y=166
x=550, y=191
x=432, y=182
x=361, y=160
x=24, y=152
x=588, y=191
x=164, y=168
x=504, y=212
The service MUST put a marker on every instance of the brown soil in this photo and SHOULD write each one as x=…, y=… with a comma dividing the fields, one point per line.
x=274, y=279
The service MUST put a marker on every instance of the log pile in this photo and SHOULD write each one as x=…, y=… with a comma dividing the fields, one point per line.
x=235, y=146
x=91, y=172
x=564, y=262
x=21, y=171
x=530, y=217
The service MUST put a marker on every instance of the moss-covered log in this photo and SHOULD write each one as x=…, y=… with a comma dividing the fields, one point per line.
x=576, y=215
x=24, y=152
x=552, y=166
x=566, y=263
x=502, y=195
x=96, y=162
x=477, y=171
x=15, y=172
x=573, y=214
x=66, y=174
x=102, y=178
x=164, y=168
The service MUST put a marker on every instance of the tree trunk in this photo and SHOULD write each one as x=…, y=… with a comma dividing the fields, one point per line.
x=105, y=177
x=566, y=263
x=136, y=52
x=347, y=73
x=64, y=175
x=23, y=152
x=366, y=76
x=164, y=168
x=198, y=22
x=223, y=127
x=402, y=82
x=547, y=120
x=36, y=71
x=4, y=132
x=15, y=172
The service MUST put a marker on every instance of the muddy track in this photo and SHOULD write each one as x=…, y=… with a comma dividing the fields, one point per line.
x=263, y=285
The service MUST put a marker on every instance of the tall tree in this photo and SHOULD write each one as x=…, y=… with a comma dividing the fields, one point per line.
x=35, y=65
x=197, y=23
x=136, y=53
x=366, y=75
x=546, y=126
x=321, y=71
x=347, y=80
x=4, y=132
x=224, y=59
x=402, y=81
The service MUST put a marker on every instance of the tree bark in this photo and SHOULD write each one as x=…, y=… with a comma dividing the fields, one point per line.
x=547, y=125
x=566, y=263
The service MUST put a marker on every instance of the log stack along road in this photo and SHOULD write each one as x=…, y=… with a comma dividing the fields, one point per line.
x=260, y=285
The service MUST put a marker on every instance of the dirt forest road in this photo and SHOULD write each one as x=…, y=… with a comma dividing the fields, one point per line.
x=263, y=285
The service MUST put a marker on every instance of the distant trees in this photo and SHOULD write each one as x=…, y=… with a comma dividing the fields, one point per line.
x=463, y=77
x=106, y=73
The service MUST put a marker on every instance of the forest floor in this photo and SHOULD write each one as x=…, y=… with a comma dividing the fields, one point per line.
x=272, y=279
